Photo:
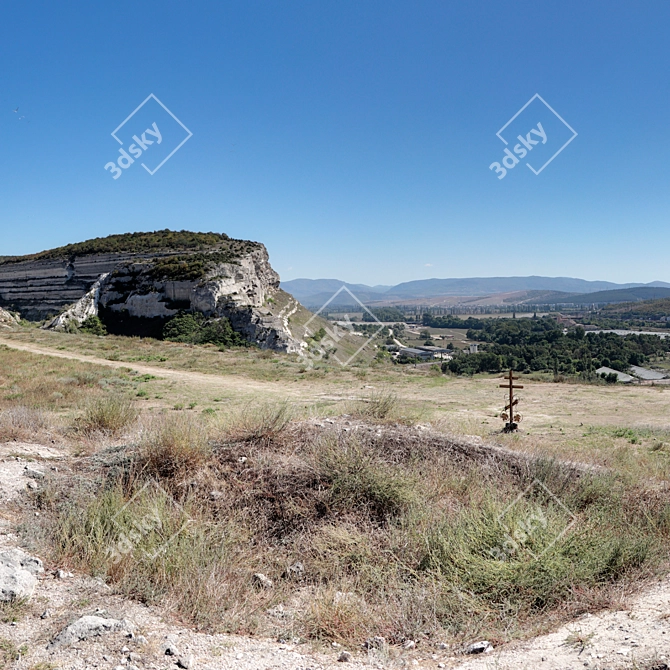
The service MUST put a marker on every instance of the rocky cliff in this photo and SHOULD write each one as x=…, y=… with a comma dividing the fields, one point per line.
x=136, y=289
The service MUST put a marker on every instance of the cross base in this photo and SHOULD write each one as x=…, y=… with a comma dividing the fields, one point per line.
x=510, y=427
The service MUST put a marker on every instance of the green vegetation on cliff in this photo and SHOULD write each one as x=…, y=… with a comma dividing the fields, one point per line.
x=194, y=328
x=189, y=267
x=142, y=243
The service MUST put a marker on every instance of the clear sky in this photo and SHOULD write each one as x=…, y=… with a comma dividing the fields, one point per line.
x=352, y=137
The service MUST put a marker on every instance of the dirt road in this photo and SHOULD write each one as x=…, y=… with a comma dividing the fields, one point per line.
x=213, y=381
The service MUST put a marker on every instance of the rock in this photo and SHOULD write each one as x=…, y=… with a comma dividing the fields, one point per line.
x=33, y=473
x=376, y=642
x=63, y=574
x=87, y=627
x=46, y=614
x=7, y=320
x=32, y=485
x=344, y=657
x=187, y=662
x=442, y=645
x=409, y=644
x=140, y=639
x=18, y=574
x=237, y=283
x=171, y=650
x=86, y=306
x=134, y=657
x=261, y=580
x=296, y=570
x=483, y=647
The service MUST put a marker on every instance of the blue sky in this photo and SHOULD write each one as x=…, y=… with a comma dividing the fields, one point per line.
x=352, y=137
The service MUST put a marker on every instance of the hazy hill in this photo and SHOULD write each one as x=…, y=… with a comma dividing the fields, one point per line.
x=636, y=294
x=650, y=308
x=317, y=292
x=487, y=285
x=314, y=292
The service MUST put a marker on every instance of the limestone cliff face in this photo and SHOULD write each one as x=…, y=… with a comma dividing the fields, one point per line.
x=135, y=293
x=41, y=288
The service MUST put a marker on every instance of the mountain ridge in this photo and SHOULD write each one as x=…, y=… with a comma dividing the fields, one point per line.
x=318, y=291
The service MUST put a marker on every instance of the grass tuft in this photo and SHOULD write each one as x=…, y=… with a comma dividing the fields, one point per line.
x=21, y=423
x=174, y=446
x=262, y=423
x=107, y=414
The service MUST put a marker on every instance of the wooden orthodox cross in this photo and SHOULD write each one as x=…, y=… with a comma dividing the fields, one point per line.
x=512, y=419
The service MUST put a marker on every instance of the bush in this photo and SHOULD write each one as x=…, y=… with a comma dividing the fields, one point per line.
x=177, y=445
x=94, y=326
x=357, y=479
x=160, y=240
x=380, y=405
x=21, y=423
x=194, y=328
x=109, y=414
x=262, y=422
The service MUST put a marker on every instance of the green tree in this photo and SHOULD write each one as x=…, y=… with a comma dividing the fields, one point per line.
x=93, y=325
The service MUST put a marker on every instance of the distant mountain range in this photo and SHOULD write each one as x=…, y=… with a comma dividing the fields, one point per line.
x=316, y=292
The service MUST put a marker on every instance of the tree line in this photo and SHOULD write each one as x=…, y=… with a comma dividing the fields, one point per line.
x=539, y=345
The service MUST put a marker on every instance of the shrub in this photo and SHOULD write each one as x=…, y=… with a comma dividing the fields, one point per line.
x=380, y=405
x=94, y=326
x=358, y=479
x=194, y=328
x=109, y=414
x=261, y=423
x=159, y=240
x=174, y=445
x=20, y=423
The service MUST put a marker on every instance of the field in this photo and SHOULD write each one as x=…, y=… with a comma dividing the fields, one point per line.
x=309, y=474
x=599, y=425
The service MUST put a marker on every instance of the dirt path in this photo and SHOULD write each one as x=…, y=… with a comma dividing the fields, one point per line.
x=212, y=381
x=636, y=636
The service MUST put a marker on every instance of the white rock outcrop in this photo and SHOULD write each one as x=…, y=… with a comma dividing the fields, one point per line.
x=7, y=319
x=18, y=574
x=86, y=306
x=87, y=627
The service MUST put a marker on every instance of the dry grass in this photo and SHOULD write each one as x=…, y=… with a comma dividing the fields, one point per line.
x=109, y=414
x=398, y=534
x=49, y=384
x=23, y=424
x=259, y=422
x=380, y=406
x=174, y=445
